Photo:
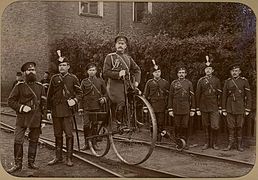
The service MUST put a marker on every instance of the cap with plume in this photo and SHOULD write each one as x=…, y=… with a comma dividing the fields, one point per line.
x=60, y=59
x=207, y=61
x=156, y=67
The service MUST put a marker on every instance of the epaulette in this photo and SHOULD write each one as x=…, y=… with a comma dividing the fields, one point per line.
x=202, y=78
x=229, y=79
x=113, y=53
x=243, y=78
x=149, y=80
x=55, y=75
x=39, y=83
x=19, y=82
x=174, y=81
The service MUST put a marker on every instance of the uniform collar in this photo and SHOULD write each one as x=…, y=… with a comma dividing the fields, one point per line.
x=157, y=79
x=209, y=76
x=236, y=78
x=181, y=80
x=64, y=74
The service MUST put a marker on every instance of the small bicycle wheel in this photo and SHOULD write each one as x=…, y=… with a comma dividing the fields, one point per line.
x=100, y=144
x=134, y=140
x=180, y=144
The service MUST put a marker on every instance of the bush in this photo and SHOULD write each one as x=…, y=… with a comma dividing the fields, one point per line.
x=167, y=52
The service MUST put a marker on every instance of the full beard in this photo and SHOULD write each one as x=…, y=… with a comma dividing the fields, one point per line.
x=30, y=77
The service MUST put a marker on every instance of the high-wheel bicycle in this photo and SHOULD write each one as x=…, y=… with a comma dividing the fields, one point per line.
x=137, y=135
x=133, y=138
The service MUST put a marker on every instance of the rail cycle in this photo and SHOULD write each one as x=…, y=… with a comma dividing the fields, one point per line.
x=133, y=138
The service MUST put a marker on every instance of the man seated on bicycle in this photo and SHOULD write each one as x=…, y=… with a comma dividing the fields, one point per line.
x=119, y=69
x=93, y=101
x=156, y=92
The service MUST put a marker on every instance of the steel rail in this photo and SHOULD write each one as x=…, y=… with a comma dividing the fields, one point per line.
x=51, y=143
x=230, y=160
x=138, y=170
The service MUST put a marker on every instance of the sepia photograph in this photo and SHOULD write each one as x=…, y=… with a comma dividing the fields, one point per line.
x=128, y=89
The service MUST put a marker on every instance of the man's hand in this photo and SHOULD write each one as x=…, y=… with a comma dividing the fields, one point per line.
x=80, y=111
x=49, y=116
x=122, y=73
x=102, y=100
x=136, y=84
x=145, y=109
x=224, y=113
x=198, y=113
x=171, y=113
x=71, y=102
x=192, y=113
x=26, y=109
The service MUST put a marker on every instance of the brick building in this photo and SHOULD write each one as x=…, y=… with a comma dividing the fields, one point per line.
x=29, y=27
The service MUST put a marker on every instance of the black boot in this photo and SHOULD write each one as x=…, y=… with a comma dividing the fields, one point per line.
x=69, y=149
x=239, y=140
x=86, y=130
x=94, y=141
x=59, y=151
x=32, y=151
x=214, y=139
x=18, y=156
x=119, y=117
x=207, y=139
x=230, y=139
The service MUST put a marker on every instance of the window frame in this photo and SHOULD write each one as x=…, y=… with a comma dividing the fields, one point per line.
x=100, y=9
x=149, y=10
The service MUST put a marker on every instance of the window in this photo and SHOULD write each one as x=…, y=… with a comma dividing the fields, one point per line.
x=91, y=8
x=139, y=9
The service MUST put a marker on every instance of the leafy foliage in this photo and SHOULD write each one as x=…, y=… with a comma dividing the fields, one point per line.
x=177, y=33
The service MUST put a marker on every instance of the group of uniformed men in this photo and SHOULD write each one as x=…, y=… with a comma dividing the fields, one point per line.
x=28, y=98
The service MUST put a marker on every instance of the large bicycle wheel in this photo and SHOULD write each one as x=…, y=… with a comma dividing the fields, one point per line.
x=100, y=144
x=134, y=140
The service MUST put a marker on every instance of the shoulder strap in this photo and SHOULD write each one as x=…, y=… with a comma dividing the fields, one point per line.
x=95, y=87
x=123, y=62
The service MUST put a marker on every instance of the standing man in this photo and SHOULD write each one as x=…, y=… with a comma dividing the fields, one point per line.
x=236, y=104
x=63, y=94
x=94, y=98
x=120, y=68
x=45, y=81
x=181, y=103
x=156, y=92
x=28, y=99
x=208, y=105
x=18, y=79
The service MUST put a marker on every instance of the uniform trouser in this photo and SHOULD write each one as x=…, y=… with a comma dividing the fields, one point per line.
x=63, y=124
x=160, y=117
x=181, y=125
x=211, y=120
x=19, y=139
x=235, y=122
x=91, y=122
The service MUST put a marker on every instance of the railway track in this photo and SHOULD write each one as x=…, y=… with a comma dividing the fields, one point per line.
x=114, y=168
x=166, y=146
x=129, y=171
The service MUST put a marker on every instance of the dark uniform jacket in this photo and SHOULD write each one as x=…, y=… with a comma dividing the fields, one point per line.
x=60, y=90
x=93, y=89
x=114, y=63
x=236, y=98
x=181, y=97
x=156, y=92
x=32, y=95
x=208, y=94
